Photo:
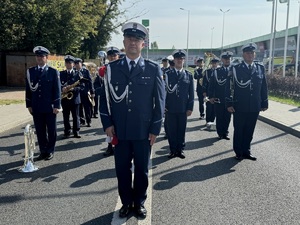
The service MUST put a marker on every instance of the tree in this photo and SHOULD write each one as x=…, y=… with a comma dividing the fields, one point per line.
x=78, y=27
x=154, y=45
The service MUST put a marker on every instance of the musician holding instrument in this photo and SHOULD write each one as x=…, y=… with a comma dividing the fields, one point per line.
x=198, y=75
x=70, y=82
x=43, y=101
x=210, y=110
x=86, y=93
x=246, y=95
x=131, y=109
x=216, y=93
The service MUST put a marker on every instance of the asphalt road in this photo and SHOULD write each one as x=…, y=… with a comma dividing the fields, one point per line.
x=208, y=187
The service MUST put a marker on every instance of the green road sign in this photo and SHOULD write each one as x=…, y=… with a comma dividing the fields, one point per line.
x=145, y=23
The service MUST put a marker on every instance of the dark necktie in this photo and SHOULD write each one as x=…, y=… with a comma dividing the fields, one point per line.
x=132, y=63
x=178, y=73
x=40, y=71
x=250, y=68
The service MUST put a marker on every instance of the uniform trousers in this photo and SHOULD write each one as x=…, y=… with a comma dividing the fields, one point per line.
x=87, y=107
x=201, y=103
x=244, y=125
x=74, y=110
x=210, y=112
x=45, y=126
x=176, y=126
x=222, y=119
x=139, y=151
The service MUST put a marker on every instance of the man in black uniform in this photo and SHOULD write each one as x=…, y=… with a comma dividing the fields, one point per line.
x=216, y=93
x=112, y=55
x=131, y=110
x=86, y=92
x=43, y=101
x=179, y=103
x=210, y=111
x=199, y=77
x=246, y=95
x=70, y=82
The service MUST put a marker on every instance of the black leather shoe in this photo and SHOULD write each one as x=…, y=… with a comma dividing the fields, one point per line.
x=95, y=116
x=76, y=135
x=109, y=151
x=88, y=125
x=251, y=157
x=66, y=136
x=181, y=155
x=171, y=155
x=141, y=211
x=49, y=156
x=42, y=156
x=124, y=211
x=239, y=158
x=226, y=137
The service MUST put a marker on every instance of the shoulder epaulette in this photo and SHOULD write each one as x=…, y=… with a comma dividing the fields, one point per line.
x=151, y=62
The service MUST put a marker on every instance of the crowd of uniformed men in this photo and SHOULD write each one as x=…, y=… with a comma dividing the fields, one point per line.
x=136, y=95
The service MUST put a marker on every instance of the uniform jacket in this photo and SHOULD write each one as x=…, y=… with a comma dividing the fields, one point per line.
x=141, y=109
x=69, y=80
x=247, y=90
x=87, y=85
x=181, y=99
x=198, y=76
x=46, y=95
x=217, y=84
x=98, y=84
x=206, y=79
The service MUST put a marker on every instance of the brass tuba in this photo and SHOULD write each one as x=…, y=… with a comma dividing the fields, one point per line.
x=29, y=151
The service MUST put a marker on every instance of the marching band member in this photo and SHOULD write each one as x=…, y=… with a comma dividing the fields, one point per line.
x=246, y=95
x=71, y=104
x=112, y=55
x=210, y=111
x=131, y=110
x=198, y=75
x=179, y=103
x=216, y=93
x=86, y=92
x=43, y=101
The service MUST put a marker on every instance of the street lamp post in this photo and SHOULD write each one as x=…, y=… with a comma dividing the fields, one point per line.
x=187, y=37
x=297, y=48
x=211, y=40
x=273, y=26
x=286, y=34
x=223, y=24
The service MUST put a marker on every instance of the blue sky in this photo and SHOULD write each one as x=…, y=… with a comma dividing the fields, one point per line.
x=168, y=24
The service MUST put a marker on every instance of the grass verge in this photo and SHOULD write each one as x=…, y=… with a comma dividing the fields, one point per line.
x=284, y=100
x=9, y=101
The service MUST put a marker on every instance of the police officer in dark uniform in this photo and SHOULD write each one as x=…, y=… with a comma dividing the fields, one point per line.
x=246, y=96
x=179, y=103
x=112, y=55
x=198, y=75
x=210, y=111
x=165, y=64
x=70, y=82
x=86, y=93
x=131, y=110
x=43, y=101
x=216, y=93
